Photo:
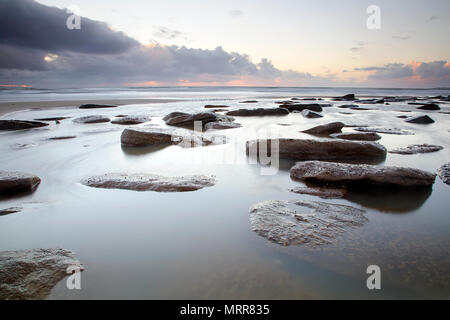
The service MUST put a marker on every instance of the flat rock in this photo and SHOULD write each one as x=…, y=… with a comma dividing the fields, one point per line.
x=92, y=119
x=306, y=223
x=420, y=120
x=150, y=182
x=347, y=97
x=358, y=136
x=311, y=114
x=139, y=137
x=4, y=212
x=444, y=173
x=20, y=124
x=181, y=119
x=430, y=106
x=62, y=138
x=219, y=125
x=17, y=182
x=131, y=120
x=349, y=106
x=52, y=119
x=348, y=174
x=326, y=129
x=304, y=149
x=258, y=112
x=32, y=274
x=417, y=148
x=300, y=107
x=249, y=101
x=96, y=106
x=384, y=130
x=326, y=193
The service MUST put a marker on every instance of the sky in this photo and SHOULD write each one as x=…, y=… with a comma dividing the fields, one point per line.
x=246, y=42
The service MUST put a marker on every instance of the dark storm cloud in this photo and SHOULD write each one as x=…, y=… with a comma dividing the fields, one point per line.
x=435, y=69
x=389, y=71
x=29, y=24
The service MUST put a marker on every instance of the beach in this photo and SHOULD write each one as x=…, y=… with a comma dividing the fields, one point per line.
x=202, y=244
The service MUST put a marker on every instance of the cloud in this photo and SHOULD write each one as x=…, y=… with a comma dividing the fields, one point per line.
x=359, y=46
x=435, y=69
x=236, y=13
x=432, y=18
x=29, y=24
x=402, y=37
x=168, y=34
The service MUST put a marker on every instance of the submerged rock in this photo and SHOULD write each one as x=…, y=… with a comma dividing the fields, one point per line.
x=444, y=173
x=326, y=193
x=218, y=125
x=420, y=120
x=348, y=174
x=32, y=274
x=150, y=182
x=62, y=138
x=52, y=119
x=20, y=124
x=214, y=106
x=96, y=106
x=17, y=182
x=326, y=129
x=131, y=120
x=349, y=106
x=304, y=149
x=359, y=136
x=258, y=112
x=306, y=223
x=417, y=148
x=310, y=114
x=92, y=119
x=4, y=212
x=384, y=130
x=249, y=101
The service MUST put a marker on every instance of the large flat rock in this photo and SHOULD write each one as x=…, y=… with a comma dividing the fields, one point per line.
x=417, y=148
x=17, y=182
x=139, y=137
x=149, y=182
x=258, y=112
x=20, y=124
x=305, y=149
x=348, y=174
x=181, y=119
x=326, y=129
x=303, y=222
x=91, y=119
x=31, y=274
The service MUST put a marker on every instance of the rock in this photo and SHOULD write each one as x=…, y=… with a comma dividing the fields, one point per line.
x=326, y=193
x=420, y=120
x=213, y=106
x=300, y=107
x=139, y=137
x=91, y=119
x=364, y=136
x=347, y=97
x=360, y=174
x=17, y=182
x=131, y=120
x=417, y=148
x=52, y=119
x=326, y=129
x=258, y=112
x=219, y=110
x=96, y=106
x=249, y=101
x=444, y=173
x=303, y=222
x=150, y=182
x=62, y=138
x=430, y=106
x=348, y=106
x=4, y=212
x=402, y=117
x=311, y=114
x=302, y=149
x=181, y=119
x=218, y=125
x=20, y=124
x=32, y=274
x=384, y=130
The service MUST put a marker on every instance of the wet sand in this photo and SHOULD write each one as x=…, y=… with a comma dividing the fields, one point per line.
x=8, y=107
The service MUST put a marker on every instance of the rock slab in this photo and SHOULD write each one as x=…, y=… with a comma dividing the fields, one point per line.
x=17, y=182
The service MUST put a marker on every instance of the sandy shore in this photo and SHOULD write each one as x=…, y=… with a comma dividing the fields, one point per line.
x=8, y=107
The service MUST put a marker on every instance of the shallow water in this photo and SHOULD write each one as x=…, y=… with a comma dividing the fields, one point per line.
x=199, y=244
